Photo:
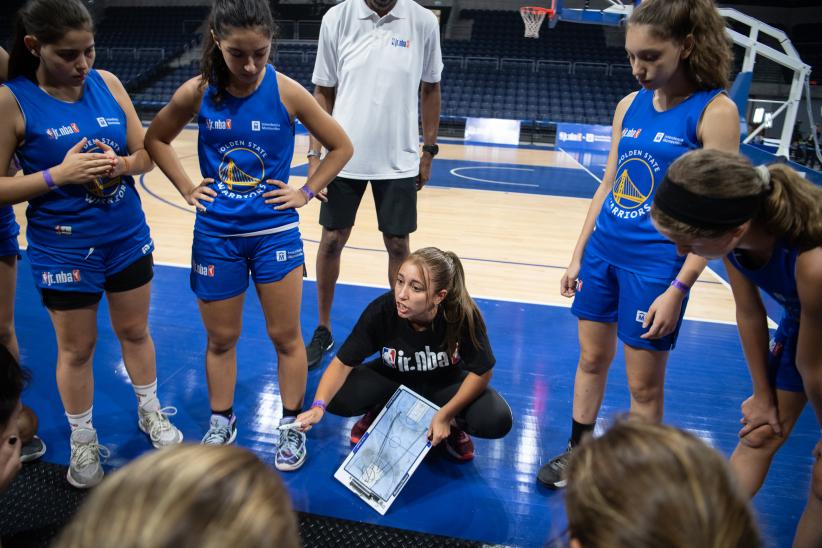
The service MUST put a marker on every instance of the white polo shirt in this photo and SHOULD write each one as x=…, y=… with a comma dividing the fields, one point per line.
x=377, y=65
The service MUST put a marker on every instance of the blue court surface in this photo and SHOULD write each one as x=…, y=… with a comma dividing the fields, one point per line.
x=494, y=498
x=525, y=179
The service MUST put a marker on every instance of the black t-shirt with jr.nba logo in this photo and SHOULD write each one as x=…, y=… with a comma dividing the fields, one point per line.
x=410, y=356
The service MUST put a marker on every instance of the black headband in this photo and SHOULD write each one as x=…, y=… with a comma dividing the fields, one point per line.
x=704, y=211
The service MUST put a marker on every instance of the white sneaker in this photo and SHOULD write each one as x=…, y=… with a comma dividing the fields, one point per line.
x=157, y=426
x=221, y=431
x=291, y=449
x=85, y=469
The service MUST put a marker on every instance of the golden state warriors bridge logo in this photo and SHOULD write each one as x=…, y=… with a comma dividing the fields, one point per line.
x=634, y=186
x=104, y=189
x=241, y=172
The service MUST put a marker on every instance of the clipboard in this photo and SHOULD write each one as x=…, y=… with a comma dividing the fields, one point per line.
x=389, y=452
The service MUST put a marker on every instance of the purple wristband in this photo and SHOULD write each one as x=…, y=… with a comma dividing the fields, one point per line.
x=308, y=193
x=681, y=286
x=319, y=403
x=49, y=180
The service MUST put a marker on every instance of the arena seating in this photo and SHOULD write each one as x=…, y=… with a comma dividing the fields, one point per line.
x=568, y=74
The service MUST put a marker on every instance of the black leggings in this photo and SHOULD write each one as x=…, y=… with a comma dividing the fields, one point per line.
x=366, y=388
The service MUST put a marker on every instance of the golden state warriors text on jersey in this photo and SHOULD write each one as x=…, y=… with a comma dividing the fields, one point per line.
x=242, y=170
x=636, y=178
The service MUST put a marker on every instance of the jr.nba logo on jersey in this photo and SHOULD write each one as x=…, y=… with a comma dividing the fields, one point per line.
x=57, y=132
x=219, y=124
x=634, y=185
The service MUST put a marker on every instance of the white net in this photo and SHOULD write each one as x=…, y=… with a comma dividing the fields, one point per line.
x=533, y=18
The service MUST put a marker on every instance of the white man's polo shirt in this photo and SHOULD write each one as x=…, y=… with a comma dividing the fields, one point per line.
x=377, y=65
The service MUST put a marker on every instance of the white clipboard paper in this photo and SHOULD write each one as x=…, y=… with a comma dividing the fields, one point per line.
x=390, y=451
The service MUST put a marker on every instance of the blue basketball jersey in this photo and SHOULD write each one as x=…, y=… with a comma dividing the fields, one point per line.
x=76, y=215
x=650, y=142
x=243, y=142
x=8, y=225
x=777, y=277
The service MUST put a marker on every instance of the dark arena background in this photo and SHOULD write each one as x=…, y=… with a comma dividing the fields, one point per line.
x=520, y=159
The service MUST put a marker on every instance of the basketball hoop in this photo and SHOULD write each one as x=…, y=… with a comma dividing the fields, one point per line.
x=533, y=16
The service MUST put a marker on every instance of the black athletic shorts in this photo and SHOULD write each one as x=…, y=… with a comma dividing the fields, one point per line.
x=395, y=200
x=135, y=275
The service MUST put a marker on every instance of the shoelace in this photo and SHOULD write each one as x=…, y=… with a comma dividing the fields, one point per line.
x=291, y=442
x=158, y=422
x=89, y=453
x=561, y=462
x=318, y=339
x=217, y=435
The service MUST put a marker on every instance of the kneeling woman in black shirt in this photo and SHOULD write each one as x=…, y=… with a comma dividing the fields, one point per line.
x=431, y=338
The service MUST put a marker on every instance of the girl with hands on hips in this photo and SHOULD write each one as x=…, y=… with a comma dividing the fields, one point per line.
x=628, y=283
x=247, y=221
x=432, y=339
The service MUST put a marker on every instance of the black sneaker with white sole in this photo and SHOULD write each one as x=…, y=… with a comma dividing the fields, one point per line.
x=552, y=474
x=321, y=342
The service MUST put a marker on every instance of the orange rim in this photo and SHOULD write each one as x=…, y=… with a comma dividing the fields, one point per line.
x=536, y=10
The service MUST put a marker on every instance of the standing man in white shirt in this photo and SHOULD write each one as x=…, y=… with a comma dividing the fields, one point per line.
x=375, y=58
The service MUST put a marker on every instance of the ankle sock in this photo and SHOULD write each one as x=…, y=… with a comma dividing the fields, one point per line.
x=578, y=430
x=80, y=420
x=147, y=396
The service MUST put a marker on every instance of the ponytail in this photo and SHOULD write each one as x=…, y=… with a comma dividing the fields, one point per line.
x=48, y=21
x=461, y=313
x=793, y=208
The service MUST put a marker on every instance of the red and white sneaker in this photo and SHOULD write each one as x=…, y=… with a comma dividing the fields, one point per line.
x=362, y=425
x=459, y=445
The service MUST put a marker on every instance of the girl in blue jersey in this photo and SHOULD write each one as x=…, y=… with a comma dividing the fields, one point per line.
x=767, y=224
x=79, y=142
x=628, y=282
x=33, y=447
x=9, y=251
x=247, y=217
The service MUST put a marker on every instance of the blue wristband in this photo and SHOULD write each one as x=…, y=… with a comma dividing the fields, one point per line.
x=308, y=193
x=681, y=286
x=49, y=180
x=320, y=404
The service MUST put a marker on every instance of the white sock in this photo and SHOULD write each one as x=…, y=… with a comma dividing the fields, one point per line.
x=147, y=396
x=80, y=420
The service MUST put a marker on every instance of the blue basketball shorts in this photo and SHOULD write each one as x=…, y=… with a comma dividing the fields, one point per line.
x=220, y=264
x=9, y=229
x=608, y=294
x=9, y=246
x=782, y=357
x=86, y=269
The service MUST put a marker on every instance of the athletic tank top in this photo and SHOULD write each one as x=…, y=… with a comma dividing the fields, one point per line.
x=777, y=277
x=243, y=142
x=76, y=215
x=650, y=142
